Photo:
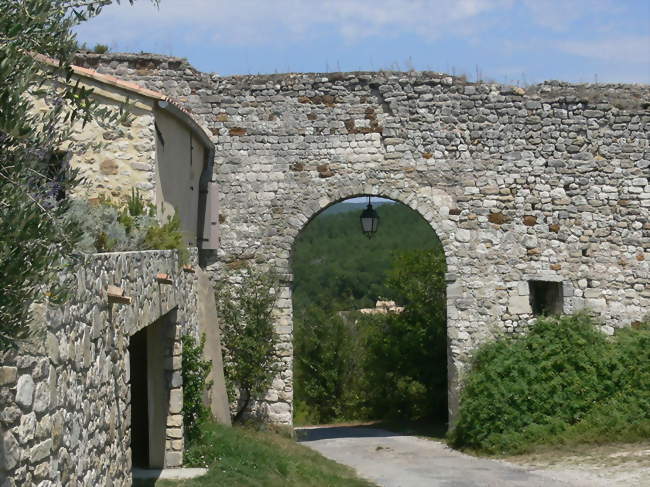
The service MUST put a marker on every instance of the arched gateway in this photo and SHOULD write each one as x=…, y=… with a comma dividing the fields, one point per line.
x=540, y=196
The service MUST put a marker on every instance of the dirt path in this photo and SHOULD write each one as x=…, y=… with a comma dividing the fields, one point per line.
x=618, y=465
x=394, y=460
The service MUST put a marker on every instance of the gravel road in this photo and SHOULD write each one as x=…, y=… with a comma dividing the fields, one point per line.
x=393, y=460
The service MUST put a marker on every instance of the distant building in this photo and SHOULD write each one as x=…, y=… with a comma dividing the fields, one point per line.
x=382, y=307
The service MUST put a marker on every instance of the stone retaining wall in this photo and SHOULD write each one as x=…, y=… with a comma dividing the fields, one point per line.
x=65, y=396
x=548, y=183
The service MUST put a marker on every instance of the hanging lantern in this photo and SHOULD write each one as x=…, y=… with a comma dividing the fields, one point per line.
x=369, y=220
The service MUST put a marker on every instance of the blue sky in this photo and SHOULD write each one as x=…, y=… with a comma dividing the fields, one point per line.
x=507, y=41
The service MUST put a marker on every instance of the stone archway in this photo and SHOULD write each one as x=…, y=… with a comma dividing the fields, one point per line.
x=434, y=206
x=448, y=365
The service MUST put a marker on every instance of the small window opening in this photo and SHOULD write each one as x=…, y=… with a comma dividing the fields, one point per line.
x=546, y=297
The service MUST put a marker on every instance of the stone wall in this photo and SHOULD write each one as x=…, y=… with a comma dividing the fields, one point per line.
x=113, y=159
x=65, y=395
x=545, y=183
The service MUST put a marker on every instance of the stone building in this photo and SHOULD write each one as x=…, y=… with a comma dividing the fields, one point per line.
x=99, y=388
x=159, y=150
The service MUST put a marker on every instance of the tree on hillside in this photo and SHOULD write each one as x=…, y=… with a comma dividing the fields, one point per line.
x=407, y=352
x=34, y=241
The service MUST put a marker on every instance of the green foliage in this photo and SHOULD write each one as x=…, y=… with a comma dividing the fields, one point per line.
x=349, y=366
x=34, y=238
x=107, y=227
x=167, y=237
x=328, y=364
x=337, y=268
x=354, y=366
x=245, y=457
x=100, y=49
x=135, y=207
x=406, y=358
x=563, y=382
x=248, y=336
x=195, y=384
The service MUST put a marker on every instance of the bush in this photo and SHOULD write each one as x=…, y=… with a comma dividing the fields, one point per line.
x=249, y=337
x=406, y=353
x=351, y=366
x=100, y=49
x=195, y=383
x=110, y=227
x=563, y=382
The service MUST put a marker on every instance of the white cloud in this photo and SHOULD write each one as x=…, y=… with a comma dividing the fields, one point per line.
x=561, y=14
x=628, y=50
x=263, y=21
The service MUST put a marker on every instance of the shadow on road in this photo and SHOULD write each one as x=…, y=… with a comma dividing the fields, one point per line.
x=316, y=433
x=435, y=430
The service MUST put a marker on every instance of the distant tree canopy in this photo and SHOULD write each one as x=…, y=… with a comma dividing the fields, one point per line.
x=34, y=240
x=337, y=267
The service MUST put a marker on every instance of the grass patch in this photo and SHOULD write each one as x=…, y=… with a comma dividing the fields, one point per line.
x=241, y=456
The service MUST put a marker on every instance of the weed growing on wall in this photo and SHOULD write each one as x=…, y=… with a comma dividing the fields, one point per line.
x=563, y=382
x=195, y=384
x=249, y=337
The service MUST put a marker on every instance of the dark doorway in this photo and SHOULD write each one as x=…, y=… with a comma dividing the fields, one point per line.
x=139, y=402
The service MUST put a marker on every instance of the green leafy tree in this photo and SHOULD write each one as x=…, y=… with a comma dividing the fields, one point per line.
x=249, y=338
x=406, y=360
x=34, y=240
x=328, y=364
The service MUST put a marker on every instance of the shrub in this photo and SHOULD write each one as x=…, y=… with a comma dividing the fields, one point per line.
x=195, y=384
x=249, y=337
x=167, y=237
x=406, y=353
x=100, y=49
x=109, y=227
x=563, y=382
x=329, y=375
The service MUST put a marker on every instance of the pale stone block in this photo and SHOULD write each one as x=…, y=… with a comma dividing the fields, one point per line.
x=40, y=451
x=173, y=459
x=175, y=421
x=27, y=428
x=10, y=453
x=25, y=391
x=175, y=401
x=519, y=305
x=174, y=432
x=8, y=375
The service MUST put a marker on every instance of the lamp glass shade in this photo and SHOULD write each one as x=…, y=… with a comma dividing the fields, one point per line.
x=369, y=221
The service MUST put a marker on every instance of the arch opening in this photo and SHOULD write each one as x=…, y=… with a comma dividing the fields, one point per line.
x=369, y=316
